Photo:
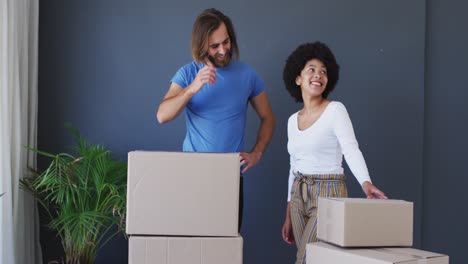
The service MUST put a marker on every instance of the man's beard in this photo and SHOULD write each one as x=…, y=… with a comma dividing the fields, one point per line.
x=221, y=63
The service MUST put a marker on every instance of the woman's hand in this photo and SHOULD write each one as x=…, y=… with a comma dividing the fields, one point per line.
x=286, y=231
x=372, y=192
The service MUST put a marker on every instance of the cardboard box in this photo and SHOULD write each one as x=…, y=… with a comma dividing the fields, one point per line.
x=183, y=193
x=185, y=250
x=323, y=253
x=356, y=222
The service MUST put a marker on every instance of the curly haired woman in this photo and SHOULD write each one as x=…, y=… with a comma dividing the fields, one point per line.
x=318, y=136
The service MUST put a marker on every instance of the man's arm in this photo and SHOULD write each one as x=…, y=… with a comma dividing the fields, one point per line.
x=173, y=102
x=177, y=98
x=262, y=106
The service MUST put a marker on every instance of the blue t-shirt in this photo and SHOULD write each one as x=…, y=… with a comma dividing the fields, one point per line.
x=216, y=115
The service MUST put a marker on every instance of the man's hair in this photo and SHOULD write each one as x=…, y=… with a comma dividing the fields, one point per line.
x=297, y=61
x=207, y=22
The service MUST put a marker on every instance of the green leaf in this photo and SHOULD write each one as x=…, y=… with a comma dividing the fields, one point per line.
x=84, y=194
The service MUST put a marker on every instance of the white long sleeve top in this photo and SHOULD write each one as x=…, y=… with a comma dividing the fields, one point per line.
x=319, y=149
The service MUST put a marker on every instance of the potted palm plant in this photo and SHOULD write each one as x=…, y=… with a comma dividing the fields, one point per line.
x=84, y=195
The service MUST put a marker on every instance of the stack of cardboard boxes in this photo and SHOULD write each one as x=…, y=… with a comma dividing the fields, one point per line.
x=183, y=208
x=367, y=231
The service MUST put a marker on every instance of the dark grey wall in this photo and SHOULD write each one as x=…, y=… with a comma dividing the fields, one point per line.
x=446, y=130
x=105, y=65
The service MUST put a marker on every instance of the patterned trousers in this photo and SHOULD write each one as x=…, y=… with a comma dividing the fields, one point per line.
x=304, y=198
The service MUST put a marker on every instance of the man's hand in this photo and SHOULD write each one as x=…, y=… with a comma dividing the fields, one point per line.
x=206, y=75
x=177, y=97
x=249, y=159
x=372, y=192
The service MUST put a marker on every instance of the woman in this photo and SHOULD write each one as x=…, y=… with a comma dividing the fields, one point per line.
x=318, y=136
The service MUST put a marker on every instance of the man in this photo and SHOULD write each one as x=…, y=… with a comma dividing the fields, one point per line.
x=215, y=90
